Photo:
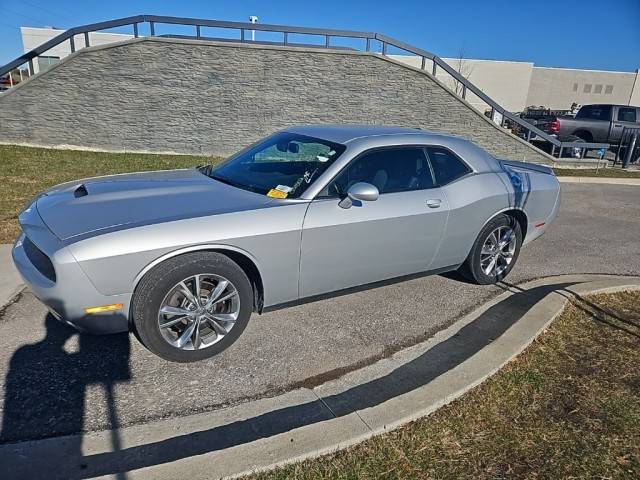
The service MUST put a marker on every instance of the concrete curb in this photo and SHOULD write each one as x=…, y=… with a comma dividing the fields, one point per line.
x=10, y=282
x=601, y=180
x=309, y=422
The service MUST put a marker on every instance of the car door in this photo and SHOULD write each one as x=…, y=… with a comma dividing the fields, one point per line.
x=397, y=234
x=625, y=117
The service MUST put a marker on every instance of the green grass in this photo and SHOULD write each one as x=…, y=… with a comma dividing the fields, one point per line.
x=26, y=171
x=568, y=407
x=611, y=172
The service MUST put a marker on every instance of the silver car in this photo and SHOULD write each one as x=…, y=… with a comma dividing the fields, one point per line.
x=184, y=257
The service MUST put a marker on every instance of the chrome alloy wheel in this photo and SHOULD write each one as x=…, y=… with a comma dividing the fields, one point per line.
x=497, y=251
x=199, y=311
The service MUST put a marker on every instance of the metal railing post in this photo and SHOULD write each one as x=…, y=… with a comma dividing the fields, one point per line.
x=528, y=135
x=384, y=48
x=560, y=152
x=424, y=63
x=285, y=38
x=72, y=43
x=368, y=47
x=326, y=41
x=152, y=28
x=628, y=155
x=553, y=150
x=135, y=30
x=242, y=34
x=433, y=70
x=31, y=72
x=464, y=91
x=11, y=79
x=86, y=39
x=197, y=31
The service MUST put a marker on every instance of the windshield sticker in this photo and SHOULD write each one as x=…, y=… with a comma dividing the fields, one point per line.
x=284, y=188
x=274, y=193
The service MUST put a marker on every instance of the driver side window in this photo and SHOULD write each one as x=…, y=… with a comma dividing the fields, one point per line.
x=390, y=170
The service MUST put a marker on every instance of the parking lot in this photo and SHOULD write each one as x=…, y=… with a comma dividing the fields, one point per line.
x=58, y=382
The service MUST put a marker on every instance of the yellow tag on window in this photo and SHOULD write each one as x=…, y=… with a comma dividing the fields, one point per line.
x=273, y=193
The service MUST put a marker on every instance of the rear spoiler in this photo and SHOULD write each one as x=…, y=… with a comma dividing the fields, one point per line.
x=527, y=166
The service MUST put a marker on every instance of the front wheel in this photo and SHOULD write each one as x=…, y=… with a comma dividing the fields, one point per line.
x=192, y=307
x=494, y=252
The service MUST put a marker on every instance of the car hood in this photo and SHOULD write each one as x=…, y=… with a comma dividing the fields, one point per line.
x=94, y=205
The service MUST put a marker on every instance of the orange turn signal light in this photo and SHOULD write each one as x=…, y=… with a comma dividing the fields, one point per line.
x=104, y=308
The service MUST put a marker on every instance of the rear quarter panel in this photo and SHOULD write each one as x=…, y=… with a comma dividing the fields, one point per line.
x=473, y=201
x=536, y=194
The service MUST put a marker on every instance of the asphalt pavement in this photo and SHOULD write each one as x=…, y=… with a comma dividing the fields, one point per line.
x=58, y=382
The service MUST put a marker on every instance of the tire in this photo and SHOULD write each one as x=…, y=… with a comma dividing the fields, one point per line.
x=161, y=288
x=572, y=152
x=475, y=266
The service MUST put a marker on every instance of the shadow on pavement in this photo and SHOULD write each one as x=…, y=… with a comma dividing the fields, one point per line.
x=420, y=371
x=46, y=383
x=57, y=399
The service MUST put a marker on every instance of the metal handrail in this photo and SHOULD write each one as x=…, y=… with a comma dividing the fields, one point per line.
x=385, y=41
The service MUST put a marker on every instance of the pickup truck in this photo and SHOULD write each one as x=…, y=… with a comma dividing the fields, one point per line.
x=594, y=123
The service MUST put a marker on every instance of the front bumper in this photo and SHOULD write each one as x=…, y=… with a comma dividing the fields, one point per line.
x=70, y=292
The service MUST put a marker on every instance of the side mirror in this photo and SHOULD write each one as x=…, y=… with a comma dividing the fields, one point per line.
x=360, y=192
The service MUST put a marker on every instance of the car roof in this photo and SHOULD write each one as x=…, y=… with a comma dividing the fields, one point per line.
x=363, y=137
x=608, y=105
x=343, y=133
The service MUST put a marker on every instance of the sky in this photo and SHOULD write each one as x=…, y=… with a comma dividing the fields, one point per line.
x=589, y=34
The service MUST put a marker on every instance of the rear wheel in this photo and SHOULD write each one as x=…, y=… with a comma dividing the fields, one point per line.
x=192, y=307
x=494, y=252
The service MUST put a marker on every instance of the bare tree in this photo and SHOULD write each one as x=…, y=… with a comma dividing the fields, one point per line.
x=464, y=68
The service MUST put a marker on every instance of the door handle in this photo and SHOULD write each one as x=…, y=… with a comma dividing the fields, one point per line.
x=434, y=203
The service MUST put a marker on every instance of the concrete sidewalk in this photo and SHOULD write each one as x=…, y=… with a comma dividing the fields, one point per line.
x=312, y=421
x=10, y=281
x=601, y=180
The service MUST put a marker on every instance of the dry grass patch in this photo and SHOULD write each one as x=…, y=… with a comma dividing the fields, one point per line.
x=568, y=407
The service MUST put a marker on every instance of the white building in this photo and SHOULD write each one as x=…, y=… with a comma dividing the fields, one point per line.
x=514, y=85
x=517, y=85
x=33, y=37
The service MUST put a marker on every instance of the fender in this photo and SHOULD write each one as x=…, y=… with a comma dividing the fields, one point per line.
x=193, y=248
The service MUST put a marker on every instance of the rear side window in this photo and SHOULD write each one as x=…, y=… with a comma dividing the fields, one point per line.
x=595, y=112
x=627, y=114
x=446, y=165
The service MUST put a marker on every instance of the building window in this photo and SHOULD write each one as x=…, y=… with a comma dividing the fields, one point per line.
x=46, y=62
x=608, y=89
x=598, y=89
x=575, y=87
x=587, y=88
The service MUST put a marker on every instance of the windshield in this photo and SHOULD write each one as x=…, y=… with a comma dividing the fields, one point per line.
x=281, y=166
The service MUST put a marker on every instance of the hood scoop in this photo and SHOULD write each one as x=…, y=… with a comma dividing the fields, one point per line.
x=81, y=191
